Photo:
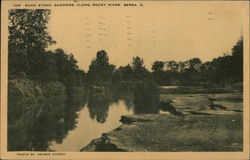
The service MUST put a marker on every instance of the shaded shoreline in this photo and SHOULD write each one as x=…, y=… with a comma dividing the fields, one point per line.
x=140, y=133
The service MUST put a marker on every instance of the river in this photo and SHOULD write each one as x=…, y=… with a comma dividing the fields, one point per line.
x=88, y=129
x=68, y=123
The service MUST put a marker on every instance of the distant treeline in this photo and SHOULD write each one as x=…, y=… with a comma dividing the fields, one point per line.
x=28, y=40
x=222, y=71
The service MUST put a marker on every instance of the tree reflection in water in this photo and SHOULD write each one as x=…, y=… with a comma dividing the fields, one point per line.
x=58, y=114
x=144, y=99
x=50, y=119
x=98, y=106
x=99, y=101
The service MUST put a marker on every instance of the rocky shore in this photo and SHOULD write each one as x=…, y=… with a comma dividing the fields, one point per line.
x=194, y=122
x=161, y=132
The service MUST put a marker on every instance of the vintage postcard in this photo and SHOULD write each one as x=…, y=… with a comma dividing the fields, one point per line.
x=113, y=79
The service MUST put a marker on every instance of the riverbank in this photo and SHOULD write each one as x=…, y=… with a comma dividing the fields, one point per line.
x=161, y=132
x=32, y=105
x=207, y=122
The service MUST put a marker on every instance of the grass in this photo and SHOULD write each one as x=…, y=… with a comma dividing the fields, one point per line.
x=192, y=133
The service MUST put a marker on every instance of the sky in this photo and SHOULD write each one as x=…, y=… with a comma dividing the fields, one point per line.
x=160, y=30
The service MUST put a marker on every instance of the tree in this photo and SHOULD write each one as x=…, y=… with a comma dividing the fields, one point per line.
x=138, y=64
x=139, y=70
x=158, y=66
x=227, y=69
x=66, y=66
x=27, y=28
x=172, y=66
x=102, y=58
x=237, y=62
x=237, y=50
x=191, y=74
x=27, y=39
x=100, y=70
x=125, y=73
x=194, y=64
x=159, y=75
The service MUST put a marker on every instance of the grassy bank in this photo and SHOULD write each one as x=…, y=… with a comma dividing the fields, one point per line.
x=152, y=132
x=39, y=113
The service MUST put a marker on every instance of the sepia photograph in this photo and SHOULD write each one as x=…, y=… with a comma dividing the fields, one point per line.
x=126, y=76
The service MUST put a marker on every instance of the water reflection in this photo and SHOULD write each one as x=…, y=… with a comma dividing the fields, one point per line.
x=98, y=104
x=69, y=123
x=47, y=120
x=88, y=129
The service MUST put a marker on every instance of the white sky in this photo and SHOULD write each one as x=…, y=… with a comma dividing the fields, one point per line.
x=158, y=31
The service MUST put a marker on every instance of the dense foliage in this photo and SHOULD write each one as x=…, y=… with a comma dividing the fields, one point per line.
x=41, y=84
x=221, y=71
x=224, y=70
x=28, y=40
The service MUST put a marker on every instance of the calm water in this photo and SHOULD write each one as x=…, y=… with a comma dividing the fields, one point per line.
x=69, y=123
x=88, y=129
